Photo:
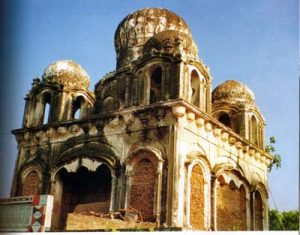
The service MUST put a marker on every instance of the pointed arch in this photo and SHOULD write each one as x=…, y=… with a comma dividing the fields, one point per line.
x=195, y=88
x=81, y=185
x=144, y=182
x=259, y=200
x=156, y=77
x=77, y=106
x=30, y=180
x=198, y=175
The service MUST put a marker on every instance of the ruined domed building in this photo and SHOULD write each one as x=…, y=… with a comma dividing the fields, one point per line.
x=152, y=136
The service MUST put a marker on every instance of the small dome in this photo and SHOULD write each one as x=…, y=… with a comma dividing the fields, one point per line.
x=67, y=73
x=232, y=91
x=172, y=42
x=134, y=31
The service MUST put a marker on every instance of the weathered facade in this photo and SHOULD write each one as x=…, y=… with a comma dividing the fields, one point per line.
x=153, y=136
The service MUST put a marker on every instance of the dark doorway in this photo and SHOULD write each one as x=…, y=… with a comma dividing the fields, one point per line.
x=85, y=191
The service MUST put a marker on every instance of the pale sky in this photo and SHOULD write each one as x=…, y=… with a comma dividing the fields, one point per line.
x=253, y=41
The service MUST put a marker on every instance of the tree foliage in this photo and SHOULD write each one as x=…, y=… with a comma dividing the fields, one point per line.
x=276, y=161
x=290, y=220
x=287, y=220
x=275, y=220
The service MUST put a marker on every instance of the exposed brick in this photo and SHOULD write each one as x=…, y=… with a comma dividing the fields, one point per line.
x=197, y=199
x=142, y=188
x=87, y=222
x=231, y=208
x=31, y=184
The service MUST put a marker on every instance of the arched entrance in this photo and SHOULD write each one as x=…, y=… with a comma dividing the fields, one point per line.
x=84, y=191
x=197, y=198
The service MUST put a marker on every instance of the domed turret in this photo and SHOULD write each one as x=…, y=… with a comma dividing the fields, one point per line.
x=67, y=73
x=232, y=91
x=137, y=28
x=234, y=106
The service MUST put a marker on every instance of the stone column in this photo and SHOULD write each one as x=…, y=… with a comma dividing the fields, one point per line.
x=202, y=95
x=188, y=196
x=158, y=193
x=248, y=210
x=113, y=193
x=214, y=203
x=207, y=202
x=252, y=211
x=127, y=190
x=265, y=214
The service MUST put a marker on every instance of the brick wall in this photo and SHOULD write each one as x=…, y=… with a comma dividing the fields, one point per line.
x=231, y=208
x=197, y=199
x=258, y=211
x=31, y=184
x=143, y=187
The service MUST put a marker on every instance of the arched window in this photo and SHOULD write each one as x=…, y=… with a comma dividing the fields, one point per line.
x=254, y=131
x=195, y=85
x=155, y=85
x=225, y=119
x=76, y=107
x=47, y=107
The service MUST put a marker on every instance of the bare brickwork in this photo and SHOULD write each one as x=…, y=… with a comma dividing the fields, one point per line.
x=197, y=199
x=142, y=188
x=231, y=209
x=152, y=135
x=31, y=184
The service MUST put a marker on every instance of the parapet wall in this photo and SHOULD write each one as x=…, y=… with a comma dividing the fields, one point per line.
x=26, y=214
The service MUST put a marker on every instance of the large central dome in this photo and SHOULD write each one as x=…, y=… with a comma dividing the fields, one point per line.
x=137, y=28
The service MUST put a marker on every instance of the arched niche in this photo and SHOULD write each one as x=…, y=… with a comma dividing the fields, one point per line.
x=231, y=204
x=197, y=198
x=258, y=211
x=77, y=108
x=109, y=103
x=30, y=183
x=47, y=108
x=156, y=76
x=195, y=88
x=224, y=119
x=198, y=191
x=41, y=109
x=229, y=118
x=144, y=182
